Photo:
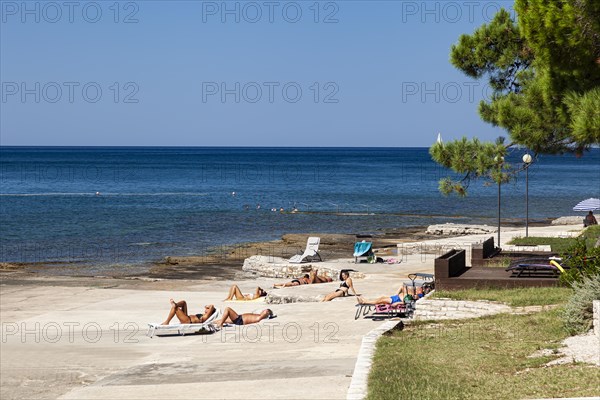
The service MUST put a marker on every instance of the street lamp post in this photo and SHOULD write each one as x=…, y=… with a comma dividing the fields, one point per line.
x=499, y=160
x=527, y=160
x=499, y=204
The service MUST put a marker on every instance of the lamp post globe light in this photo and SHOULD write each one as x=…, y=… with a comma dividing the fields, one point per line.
x=527, y=161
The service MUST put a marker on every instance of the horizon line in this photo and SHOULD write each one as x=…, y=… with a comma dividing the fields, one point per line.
x=216, y=146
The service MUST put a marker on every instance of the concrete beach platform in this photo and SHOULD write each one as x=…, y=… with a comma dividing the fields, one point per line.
x=88, y=340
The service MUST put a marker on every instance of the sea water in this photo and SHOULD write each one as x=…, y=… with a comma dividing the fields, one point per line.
x=124, y=207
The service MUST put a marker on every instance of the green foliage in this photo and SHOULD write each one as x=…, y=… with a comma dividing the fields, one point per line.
x=562, y=245
x=558, y=245
x=585, y=113
x=544, y=72
x=592, y=232
x=495, y=49
x=473, y=159
x=564, y=36
x=583, y=260
x=578, y=312
x=530, y=117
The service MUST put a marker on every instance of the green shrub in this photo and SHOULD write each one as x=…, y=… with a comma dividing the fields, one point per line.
x=583, y=261
x=578, y=312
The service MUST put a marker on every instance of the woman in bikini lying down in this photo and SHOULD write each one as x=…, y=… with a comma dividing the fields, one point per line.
x=231, y=317
x=179, y=309
x=398, y=297
x=305, y=280
x=235, y=292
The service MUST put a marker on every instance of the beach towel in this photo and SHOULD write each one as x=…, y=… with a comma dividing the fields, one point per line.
x=257, y=300
x=360, y=248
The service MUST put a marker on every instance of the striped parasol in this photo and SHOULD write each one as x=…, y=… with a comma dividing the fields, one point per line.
x=587, y=205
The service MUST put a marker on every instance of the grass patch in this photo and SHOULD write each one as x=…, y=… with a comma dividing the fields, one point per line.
x=484, y=358
x=518, y=297
x=559, y=245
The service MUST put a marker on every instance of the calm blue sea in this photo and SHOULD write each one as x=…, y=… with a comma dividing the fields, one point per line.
x=155, y=202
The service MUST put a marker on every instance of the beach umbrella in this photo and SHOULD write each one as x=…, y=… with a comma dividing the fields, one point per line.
x=587, y=205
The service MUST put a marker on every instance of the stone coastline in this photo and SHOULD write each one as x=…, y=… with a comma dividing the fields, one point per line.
x=277, y=267
x=568, y=220
x=459, y=229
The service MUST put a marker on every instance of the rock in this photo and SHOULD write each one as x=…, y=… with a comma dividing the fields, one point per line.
x=569, y=220
x=459, y=229
x=277, y=267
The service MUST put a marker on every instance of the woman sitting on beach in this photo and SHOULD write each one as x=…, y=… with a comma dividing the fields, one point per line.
x=589, y=220
x=179, y=309
x=235, y=292
x=345, y=287
x=231, y=317
x=305, y=280
x=401, y=296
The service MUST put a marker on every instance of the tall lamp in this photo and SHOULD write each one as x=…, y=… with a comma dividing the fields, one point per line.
x=527, y=161
x=500, y=161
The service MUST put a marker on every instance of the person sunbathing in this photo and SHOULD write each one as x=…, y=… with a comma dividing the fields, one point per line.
x=345, y=287
x=399, y=297
x=180, y=310
x=316, y=278
x=231, y=317
x=305, y=280
x=235, y=292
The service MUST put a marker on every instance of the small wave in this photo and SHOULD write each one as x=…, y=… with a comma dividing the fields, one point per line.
x=141, y=244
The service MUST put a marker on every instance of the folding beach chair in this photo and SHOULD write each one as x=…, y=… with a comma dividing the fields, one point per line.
x=362, y=249
x=548, y=267
x=404, y=309
x=422, y=280
x=156, y=329
x=310, y=254
x=378, y=312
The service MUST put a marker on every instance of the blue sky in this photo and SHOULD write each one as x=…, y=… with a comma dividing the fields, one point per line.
x=237, y=73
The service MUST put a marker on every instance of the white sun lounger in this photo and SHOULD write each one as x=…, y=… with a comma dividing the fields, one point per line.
x=156, y=329
x=311, y=252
